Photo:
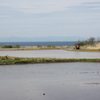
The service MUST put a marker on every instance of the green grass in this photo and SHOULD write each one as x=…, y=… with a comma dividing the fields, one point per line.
x=4, y=60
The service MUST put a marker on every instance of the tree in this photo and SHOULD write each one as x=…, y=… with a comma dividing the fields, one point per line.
x=17, y=46
x=91, y=40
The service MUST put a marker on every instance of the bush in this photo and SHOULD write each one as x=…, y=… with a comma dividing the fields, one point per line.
x=17, y=46
x=39, y=46
x=7, y=46
x=10, y=46
x=50, y=46
x=82, y=43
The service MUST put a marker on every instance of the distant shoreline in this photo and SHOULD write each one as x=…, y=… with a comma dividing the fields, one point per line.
x=52, y=46
x=49, y=48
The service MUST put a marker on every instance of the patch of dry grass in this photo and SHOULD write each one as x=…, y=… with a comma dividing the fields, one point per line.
x=95, y=46
x=34, y=48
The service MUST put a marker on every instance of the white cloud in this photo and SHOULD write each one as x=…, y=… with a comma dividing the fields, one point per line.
x=42, y=6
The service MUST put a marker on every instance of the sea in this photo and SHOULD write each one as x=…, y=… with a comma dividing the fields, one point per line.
x=55, y=43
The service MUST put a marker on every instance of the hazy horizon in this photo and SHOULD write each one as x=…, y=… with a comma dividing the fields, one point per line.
x=41, y=39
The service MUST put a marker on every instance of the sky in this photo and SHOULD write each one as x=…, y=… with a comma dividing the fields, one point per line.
x=49, y=18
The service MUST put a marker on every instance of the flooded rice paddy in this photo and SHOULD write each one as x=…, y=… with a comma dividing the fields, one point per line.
x=51, y=54
x=52, y=81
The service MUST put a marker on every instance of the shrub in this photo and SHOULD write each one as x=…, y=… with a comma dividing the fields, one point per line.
x=7, y=46
x=17, y=46
x=50, y=46
x=39, y=46
x=82, y=43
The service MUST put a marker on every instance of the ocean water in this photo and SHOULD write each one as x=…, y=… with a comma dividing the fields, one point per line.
x=64, y=43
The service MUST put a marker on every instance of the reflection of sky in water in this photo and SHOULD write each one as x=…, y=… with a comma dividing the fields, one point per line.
x=51, y=53
x=59, y=81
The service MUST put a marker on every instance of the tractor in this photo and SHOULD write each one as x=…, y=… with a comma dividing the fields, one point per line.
x=77, y=46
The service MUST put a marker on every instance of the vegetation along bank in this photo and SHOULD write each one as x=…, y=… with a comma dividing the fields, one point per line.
x=7, y=60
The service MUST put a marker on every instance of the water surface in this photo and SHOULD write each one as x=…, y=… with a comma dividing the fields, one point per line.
x=51, y=54
x=56, y=43
x=52, y=81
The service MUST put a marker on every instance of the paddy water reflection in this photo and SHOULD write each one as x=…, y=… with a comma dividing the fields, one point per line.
x=52, y=81
x=51, y=54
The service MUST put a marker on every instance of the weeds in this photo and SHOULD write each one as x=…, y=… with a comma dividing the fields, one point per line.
x=14, y=60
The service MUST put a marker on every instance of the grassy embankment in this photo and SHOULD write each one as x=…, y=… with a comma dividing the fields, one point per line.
x=7, y=60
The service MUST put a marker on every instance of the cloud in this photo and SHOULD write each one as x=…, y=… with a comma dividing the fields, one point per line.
x=92, y=5
x=43, y=6
x=38, y=6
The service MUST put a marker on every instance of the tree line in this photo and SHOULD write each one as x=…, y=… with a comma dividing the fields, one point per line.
x=10, y=46
x=91, y=40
